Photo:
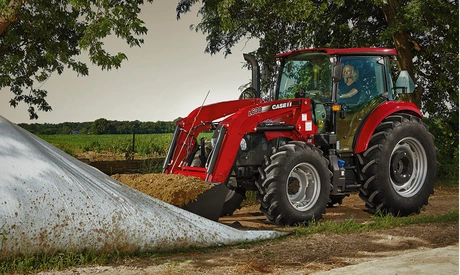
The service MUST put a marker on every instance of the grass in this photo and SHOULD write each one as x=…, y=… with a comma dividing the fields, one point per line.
x=447, y=183
x=145, y=145
x=33, y=263
x=377, y=222
x=59, y=261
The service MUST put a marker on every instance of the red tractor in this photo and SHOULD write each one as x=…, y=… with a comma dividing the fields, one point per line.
x=311, y=142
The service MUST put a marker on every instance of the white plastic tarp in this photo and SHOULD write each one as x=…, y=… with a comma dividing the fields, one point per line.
x=51, y=202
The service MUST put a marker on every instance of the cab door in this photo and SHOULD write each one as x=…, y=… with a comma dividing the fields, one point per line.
x=370, y=82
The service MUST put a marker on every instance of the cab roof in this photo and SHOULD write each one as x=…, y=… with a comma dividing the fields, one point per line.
x=344, y=51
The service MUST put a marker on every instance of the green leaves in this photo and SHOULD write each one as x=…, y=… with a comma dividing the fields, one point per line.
x=49, y=34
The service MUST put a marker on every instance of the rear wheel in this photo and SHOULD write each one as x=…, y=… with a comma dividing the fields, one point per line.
x=399, y=167
x=295, y=185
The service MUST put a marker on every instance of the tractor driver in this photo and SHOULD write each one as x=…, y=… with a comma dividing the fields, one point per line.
x=348, y=88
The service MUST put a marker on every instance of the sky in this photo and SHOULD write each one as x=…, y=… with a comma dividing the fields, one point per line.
x=166, y=78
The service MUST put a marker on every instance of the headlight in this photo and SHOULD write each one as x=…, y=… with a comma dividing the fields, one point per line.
x=243, y=145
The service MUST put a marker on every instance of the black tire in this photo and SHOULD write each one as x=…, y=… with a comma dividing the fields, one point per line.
x=295, y=184
x=233, y=201
x=334, y=199
x=399, y=166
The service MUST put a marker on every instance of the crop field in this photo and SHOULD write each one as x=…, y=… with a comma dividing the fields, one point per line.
x=145, y=145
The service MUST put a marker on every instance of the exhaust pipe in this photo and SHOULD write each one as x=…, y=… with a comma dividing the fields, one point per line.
x=255, y=72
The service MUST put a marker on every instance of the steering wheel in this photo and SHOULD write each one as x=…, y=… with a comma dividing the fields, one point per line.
x=248, y=93
x=300, y=94
x=318, y=95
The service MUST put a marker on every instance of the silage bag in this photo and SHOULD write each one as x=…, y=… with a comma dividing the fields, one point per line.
x=51, y=202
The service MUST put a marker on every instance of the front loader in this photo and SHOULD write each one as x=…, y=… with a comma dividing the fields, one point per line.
x=303, y=148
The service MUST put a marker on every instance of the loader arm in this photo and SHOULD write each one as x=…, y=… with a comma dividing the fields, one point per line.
x=199, y=120
x=288, y=118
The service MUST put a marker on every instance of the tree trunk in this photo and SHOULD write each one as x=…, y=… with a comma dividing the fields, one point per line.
x=403, y=44
x=10, y=14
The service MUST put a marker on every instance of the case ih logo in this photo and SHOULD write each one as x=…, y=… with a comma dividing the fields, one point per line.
x=281, y=105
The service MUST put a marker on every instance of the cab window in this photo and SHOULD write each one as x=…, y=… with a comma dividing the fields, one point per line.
x=306, y=75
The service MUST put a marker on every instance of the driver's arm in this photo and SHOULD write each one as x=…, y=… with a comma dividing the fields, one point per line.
x=351, y=93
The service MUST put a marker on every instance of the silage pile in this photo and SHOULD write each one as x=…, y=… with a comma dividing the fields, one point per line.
x=51, y=202
x=177, y=190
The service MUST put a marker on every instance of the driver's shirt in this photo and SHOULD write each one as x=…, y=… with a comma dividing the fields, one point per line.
x=344, y=88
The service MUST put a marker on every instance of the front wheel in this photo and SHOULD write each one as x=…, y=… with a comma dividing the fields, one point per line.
x=399, y=167
x=296, y=185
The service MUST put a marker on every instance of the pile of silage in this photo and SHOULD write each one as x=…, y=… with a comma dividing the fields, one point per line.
x=177, y=190
x=51, y=202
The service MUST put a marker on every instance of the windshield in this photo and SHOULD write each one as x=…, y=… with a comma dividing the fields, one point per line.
x=306, y=75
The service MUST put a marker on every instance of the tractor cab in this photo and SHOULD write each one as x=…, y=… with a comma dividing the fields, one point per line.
x=354, y=80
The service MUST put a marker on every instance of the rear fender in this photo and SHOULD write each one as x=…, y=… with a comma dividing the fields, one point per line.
x=385, y=109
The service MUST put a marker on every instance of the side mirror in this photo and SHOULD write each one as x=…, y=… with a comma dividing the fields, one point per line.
x=255, y=73
x=404, y=83
x=337, y=72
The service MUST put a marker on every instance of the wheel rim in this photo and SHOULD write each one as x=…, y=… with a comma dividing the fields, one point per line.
x=408, y=166
x=303, y=186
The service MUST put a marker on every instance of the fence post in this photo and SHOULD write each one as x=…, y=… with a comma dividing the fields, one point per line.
x=134, y=138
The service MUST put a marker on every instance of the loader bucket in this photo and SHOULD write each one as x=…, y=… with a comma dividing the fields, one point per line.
x=209, y=204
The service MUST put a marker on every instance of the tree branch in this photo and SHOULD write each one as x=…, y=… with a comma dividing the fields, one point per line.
x=10, y=14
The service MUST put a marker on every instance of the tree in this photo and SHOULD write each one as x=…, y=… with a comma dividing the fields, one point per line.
x=286, y=25
x=100, y=126
x=41, y=37
x=426, y=40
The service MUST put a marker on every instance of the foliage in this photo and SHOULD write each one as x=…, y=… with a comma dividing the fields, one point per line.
x=426, y=40
x=447, y=182
x=147, y=145
x=26, y=264
x=41, y=37
x=378, y=222
x=445, y=131
x=101, y=126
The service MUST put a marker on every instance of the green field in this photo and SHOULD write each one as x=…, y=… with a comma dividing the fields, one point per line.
x=145, y=145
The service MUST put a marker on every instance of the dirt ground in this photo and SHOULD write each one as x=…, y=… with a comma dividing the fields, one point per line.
x=315, y=253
